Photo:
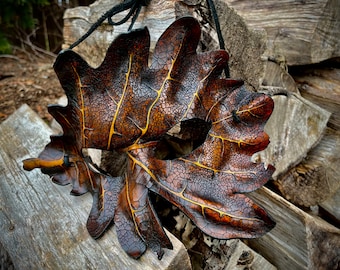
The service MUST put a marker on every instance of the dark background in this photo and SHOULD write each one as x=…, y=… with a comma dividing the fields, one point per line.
x=29, y=23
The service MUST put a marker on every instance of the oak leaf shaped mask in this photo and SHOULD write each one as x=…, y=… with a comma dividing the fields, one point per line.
x=187, y=134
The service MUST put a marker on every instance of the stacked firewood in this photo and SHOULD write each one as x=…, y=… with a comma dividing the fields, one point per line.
x=290, y=50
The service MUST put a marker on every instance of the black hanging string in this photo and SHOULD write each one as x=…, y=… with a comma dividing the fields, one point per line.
x=212, y=8
x=134, y=7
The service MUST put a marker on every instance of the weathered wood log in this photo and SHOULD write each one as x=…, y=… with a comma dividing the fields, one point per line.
x=295, y=126
x=316, y=178
x=303, y=32
x=42, y=226
x=299, y=240
x=331, y=205
x=322, y=87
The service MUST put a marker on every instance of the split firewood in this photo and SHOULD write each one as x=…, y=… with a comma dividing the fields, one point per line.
x=316, y=178
x=300, y=32
x=299, y=240
x=295, y=127
x=321, y=85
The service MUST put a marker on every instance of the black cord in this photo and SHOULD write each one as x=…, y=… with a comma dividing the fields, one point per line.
x=135, y=16
x=211, y=5
x=132, y=6
x=135, y=7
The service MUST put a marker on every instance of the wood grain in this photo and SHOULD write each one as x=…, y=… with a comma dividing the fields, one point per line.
x=303, y=32
x=295, y=127
x=293, y=243
x=322, y=87
x=316, y=178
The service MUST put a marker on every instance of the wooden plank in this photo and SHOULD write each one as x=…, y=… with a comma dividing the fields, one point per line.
x=299, y=240
x=42, y=226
